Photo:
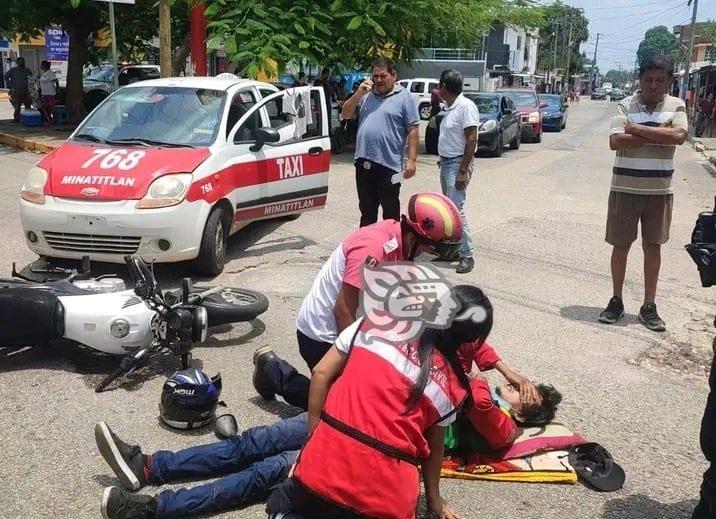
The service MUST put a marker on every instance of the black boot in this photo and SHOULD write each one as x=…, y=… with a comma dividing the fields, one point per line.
x=262, y=384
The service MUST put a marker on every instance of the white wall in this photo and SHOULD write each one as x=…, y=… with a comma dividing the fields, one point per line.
x=517, y=61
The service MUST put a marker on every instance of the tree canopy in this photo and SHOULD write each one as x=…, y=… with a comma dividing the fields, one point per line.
x=657, y=41
x=555, y=35
x=260, y=33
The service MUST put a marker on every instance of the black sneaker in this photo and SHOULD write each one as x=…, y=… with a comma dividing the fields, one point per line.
x=650, y=318
x=126, y=460
x=262, y=384
x=117, y=503
x=613, y=312
x=466, y=265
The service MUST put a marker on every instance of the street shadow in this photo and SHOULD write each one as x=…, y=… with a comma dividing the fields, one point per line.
x=256, y=328
x=245, y=243
x=640, y=506
x=276, y=407
x=590, y=314
x=94, y=366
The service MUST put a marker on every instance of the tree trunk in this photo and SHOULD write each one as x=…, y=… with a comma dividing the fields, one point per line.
x=180, y=56
x=77, y=55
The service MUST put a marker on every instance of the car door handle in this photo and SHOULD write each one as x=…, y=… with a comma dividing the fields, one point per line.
x=317, y=150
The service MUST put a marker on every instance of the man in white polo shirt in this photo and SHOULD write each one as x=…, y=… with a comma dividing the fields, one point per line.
x=456, y=147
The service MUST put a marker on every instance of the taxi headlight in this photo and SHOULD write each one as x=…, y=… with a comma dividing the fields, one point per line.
x=488, y=126
x=166, y=191
x=33, y=190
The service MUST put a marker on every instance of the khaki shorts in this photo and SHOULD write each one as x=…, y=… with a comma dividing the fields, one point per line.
x=625, y=212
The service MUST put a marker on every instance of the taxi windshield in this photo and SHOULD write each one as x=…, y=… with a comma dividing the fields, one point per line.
x=156, y=115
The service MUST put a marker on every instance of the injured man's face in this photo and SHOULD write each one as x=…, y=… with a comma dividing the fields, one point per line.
x=511, y=395
x=535, y=414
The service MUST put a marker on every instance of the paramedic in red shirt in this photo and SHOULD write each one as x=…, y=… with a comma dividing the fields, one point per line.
x=332, y=302
x=497, y=414
x=372, y=427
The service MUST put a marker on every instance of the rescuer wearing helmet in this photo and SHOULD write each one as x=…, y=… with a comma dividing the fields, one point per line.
x=430, y=220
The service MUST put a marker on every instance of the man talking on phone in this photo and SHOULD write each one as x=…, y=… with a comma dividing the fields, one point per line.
x=388, y=122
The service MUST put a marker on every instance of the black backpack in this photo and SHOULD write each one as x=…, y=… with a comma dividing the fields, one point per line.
x=702, y=248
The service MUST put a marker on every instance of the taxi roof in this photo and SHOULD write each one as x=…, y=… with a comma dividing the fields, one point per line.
x=211, y=83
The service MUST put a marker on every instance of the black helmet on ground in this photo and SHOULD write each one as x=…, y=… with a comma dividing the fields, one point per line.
x=189, y=399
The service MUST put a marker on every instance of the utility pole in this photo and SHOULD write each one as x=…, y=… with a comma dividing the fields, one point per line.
x=685, y=78
x=594, y=66
x=556, y=35
x=113, y=35
x=569, y=51
x=165, y=38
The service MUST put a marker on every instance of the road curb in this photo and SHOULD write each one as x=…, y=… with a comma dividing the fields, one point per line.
x=26, y=144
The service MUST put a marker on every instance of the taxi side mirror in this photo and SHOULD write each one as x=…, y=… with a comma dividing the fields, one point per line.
x=264, y=135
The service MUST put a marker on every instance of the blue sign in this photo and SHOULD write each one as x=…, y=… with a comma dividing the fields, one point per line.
x=57, y=43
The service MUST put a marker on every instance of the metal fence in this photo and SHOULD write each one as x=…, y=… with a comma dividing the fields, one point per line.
x=433, y=53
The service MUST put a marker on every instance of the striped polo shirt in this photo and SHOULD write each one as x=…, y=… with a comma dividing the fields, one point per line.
x=647, y=169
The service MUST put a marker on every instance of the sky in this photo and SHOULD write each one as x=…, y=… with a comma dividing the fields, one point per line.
x=622, y=24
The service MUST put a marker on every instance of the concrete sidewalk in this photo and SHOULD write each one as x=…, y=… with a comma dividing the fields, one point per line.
x=38, y=139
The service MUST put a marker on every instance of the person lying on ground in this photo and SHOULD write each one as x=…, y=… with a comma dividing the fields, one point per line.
x=497, y=415
x=250, y=464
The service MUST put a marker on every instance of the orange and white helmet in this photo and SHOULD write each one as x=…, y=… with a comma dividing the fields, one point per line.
x=434, y=217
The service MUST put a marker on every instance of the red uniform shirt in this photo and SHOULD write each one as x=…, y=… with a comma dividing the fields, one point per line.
x=496, y=426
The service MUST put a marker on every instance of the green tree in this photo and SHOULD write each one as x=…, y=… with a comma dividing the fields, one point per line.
x=657, y=41
x=707, y=33
x=258, y=33
x=137, y=25
x=558, y=18
x=618, y=78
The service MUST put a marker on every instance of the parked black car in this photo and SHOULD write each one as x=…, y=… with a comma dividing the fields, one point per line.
x=500, y=124
x=554, y=115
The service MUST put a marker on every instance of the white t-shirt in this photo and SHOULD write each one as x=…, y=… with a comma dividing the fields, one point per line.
x=47, y=83
x=297, y=103
x=373, y=244
x=460, y=115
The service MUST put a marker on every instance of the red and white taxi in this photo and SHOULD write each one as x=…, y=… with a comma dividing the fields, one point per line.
x=169, y=168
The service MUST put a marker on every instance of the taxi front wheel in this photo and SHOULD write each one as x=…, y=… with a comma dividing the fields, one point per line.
x=214, y=244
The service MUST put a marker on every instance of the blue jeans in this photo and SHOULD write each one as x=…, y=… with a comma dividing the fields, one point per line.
x=257, y=460
x=449, y=169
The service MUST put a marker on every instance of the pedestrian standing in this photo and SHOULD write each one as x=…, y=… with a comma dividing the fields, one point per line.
x=456, y=147
x=388, y=120
x=48, y=91
x=645, y=132
x=435, y=101
x=17, y=80
x=301, y=81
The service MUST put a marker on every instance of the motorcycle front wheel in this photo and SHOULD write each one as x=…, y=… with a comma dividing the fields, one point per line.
x=233, y=305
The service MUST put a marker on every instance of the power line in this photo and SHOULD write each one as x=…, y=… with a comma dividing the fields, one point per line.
x=678, y=9
x=622, y=16
x=621, y=6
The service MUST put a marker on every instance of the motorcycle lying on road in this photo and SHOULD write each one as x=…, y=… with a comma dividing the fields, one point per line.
x=100, y=313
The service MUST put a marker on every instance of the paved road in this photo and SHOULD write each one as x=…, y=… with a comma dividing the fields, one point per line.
x=538, y=221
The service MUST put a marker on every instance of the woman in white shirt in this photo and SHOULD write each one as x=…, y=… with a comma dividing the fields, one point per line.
x=48, y=91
